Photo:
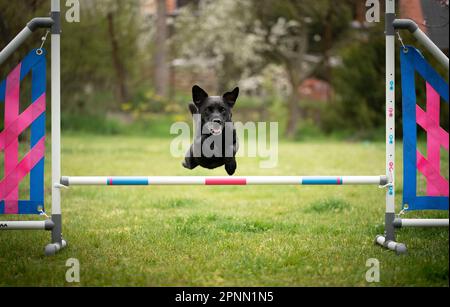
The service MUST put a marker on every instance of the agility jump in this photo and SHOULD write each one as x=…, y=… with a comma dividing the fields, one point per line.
x=32, y=164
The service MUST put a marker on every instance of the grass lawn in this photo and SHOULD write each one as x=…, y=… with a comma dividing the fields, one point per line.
x=223, y=236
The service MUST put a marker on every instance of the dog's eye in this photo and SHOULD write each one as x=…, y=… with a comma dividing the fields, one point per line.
x=222, y=109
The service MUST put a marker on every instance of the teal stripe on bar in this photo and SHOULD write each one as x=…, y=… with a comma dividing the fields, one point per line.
x=330, y=181
x=127, y=181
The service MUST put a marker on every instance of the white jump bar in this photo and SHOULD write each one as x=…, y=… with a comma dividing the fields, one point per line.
x=224, y=180
x=26, y=225
x=421, y=223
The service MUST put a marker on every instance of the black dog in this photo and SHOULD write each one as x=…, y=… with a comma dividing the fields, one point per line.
x=215, y=143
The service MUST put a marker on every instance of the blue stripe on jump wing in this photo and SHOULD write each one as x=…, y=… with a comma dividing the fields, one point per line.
x=2, y=91
x=38, y=87
x=30, y=206
x=127, y=181
x=427, y=203
x=36, y=65
x=25, y=207
x=322, y=181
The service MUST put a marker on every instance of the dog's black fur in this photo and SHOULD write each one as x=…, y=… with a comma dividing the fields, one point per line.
x=215, y=112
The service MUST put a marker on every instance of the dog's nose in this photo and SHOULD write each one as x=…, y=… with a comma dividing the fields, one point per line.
x=217, y=121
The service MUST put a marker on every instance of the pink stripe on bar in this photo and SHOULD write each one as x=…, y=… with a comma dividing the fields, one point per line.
x=225, y=181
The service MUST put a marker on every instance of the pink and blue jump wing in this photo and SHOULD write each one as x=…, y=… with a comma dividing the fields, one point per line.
x=15, y=123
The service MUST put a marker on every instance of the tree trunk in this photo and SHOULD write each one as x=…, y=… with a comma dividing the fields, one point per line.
x=119, y=68
x=326, y=47
x=294, y=112
x=360, y=11
x=161, y=73
x=293, y=116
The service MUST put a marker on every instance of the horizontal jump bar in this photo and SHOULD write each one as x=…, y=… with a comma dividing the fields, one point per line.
x=212, y=180
x=27, y=225
x=421, y=223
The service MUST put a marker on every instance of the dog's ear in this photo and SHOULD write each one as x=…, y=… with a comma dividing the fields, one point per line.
x=231, y=97
x=193, y=108
x=198, y=95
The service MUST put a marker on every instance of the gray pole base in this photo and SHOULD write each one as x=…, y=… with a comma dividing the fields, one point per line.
x=399, y=248
x=52, y=248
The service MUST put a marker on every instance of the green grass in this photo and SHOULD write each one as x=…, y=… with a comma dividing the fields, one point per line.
x=223, y=236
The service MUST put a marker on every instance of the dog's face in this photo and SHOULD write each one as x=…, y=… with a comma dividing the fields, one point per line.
x=215, y=111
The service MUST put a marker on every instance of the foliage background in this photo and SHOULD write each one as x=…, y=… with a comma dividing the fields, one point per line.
x=111, y=82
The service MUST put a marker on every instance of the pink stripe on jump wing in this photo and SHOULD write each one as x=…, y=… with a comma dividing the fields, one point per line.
x=433, y=104
x=433, y=177
x=11, y=182
x=433, y=141
x=12, y=95
x=225, y=181
x=436, y=137
x=432, y=128
x=22, y=122
x=22, y=168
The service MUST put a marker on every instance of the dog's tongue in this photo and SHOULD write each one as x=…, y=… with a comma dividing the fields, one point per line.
x=216, y=129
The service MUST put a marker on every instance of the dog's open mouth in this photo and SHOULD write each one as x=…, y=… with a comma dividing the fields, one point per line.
x=215, y=128
x=216, y=131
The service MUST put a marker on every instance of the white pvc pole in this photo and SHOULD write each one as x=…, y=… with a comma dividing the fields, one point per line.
x=57, y=240
x=56, y=116
x=22, y=225
x=390, y=113
x=424, y=223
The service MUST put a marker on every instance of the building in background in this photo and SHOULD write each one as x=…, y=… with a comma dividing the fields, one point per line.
x=172, y=6
x=431, y=16
x=177, y=78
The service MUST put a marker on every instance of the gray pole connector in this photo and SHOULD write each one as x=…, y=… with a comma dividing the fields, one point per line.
x=405, y=24
x=40, y=22
x=411, y=26
x=35, y=23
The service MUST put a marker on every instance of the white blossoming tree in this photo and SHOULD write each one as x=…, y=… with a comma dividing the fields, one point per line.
x=241, y=38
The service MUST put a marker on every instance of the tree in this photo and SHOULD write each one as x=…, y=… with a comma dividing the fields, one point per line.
x=216, y=35
x=292, y=31
x=161, y=75
x=101, y=56
x=244, y=37
x=117, y=60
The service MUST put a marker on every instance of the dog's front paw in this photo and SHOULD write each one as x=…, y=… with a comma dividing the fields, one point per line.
x=185, y=165
x=230, y=167
x=189, y=164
